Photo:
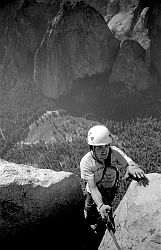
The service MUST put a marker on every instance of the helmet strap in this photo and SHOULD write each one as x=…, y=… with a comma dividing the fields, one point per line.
x=94, y=155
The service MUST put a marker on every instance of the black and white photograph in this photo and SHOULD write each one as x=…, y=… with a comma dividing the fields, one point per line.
x=80, y=124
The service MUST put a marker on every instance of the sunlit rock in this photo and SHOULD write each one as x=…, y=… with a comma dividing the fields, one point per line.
x=36, y=204
x=138, y=217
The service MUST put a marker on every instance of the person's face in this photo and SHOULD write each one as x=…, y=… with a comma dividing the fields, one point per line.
x=102, y=151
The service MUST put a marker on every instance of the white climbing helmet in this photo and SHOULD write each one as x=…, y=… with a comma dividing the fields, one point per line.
x=99, y=135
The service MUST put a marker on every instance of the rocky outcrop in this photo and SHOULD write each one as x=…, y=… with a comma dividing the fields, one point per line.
x=138, y=217
x=78, y=43
x=130, y=68
x=56, y=126
x=22, y=29
x=120, y=23
x=155, y=36
x=152, y=23
x=75, y=49
x=123, y=28
x=39, y=205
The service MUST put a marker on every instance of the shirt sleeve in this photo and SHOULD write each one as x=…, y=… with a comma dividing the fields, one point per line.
x=128, y=159
x=86, y=172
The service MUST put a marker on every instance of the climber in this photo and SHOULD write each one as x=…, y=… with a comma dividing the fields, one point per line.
x=100, y=170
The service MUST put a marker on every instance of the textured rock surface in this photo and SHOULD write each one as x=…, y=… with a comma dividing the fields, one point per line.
x=155, y=36
x=131, y=67
x=121, y=23
x=37, y=203
x=56, y=126
x=22, y=28
x=138, y=217
x=78, y=43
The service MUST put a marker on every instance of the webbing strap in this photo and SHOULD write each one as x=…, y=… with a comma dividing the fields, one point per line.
x=107, y=163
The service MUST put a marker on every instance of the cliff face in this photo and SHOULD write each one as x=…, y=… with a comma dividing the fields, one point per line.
x=22, y=26
x=138, y=218
x=64, y=47
x=78, y=43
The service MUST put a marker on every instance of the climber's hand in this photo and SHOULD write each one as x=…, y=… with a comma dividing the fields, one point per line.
x=104, y=210
x=135, y=170
x=143, y=181
x=136, y=173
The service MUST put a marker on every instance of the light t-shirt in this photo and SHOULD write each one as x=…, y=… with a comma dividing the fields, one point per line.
x=93, y=170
